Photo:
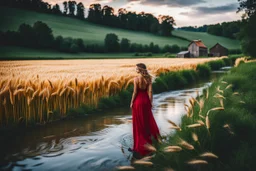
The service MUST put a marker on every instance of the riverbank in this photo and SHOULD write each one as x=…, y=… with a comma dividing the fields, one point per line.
x=218, y=131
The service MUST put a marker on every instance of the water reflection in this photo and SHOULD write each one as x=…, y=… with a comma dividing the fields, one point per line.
x=96, y=142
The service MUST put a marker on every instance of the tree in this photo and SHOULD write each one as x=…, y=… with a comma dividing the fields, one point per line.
x=11, y=38
x=95, y=14
x=65, y=4
x=215, y=29
x=27, y=35
x=131, y=21
x=80, y=44
x=74, y=48
x=154, y=27
x=65, y=45
x=156, y=49
x=108, y=15
x=72, y=7
x=125, y=45
x=56, y=9
x=175, y=48
x=151, y=47
x=122, y=16
x=247, y=33
x=112, y=42
x=166, y=26
x=80, y=11
x=43, y=34
x=166, y=48
x=248, y=5
x=57, y=42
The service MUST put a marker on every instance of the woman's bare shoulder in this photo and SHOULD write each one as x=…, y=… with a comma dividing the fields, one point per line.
x=136, y=79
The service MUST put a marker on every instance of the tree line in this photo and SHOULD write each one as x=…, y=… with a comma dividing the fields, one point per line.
x=247, y=34
x=225, y=29
x=162, y=25
x=40, y=36
x=194, y=28
x=71, y=8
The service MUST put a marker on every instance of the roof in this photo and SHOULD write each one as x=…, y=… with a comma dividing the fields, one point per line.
x=216, y=45
x=183, y=52
x=199, y=43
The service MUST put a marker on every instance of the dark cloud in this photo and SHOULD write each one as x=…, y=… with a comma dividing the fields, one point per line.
x=213, y=10
x=219, y=9
x=172, y=3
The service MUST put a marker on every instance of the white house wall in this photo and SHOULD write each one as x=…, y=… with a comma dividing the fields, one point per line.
x=194, y=50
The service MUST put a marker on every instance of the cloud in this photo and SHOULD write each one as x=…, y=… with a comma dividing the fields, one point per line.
x=171, y=3
x=212, y=10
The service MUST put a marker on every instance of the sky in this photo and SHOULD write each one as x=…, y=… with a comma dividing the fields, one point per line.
x=185, y=12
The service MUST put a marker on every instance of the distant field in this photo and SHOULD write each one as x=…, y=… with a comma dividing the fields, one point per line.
x=93, y=69
x=11, y=18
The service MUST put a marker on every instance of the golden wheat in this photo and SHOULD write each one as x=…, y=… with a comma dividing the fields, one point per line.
x=186, y=145
x=125, y=168
x=150, y=147
x=194, y=136
x=208, y=154
x=172, y=149
x=142, y=162
x=193, y=162
x=31, y=91
x=194, y=125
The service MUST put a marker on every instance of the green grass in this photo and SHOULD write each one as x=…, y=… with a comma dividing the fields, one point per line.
x=208, y=39
x=11, y=18
x=234, y=145
x=28, y=53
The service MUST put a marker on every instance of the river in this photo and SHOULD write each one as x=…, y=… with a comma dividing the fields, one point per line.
x=96, y=142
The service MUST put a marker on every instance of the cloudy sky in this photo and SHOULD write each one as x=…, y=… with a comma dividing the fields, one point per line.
x=185, y=12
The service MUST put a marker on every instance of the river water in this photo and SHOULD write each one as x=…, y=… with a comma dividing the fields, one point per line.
x=95, y=142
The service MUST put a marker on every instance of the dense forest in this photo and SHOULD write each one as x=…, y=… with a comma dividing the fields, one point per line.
x=163, y=25
x=225, y=29
x=194, y=28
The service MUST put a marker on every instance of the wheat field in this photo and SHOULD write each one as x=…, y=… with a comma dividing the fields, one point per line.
x=32, y=90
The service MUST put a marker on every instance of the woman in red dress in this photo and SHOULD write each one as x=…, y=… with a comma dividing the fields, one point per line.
x=144, y=125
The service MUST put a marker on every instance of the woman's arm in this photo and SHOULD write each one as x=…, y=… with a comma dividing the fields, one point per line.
x=134, y=91
x=150, y=93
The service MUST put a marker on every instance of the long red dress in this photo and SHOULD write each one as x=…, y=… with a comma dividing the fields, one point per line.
x=144, y=125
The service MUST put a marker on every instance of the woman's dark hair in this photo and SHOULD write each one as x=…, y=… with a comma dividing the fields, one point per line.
x=144, y=72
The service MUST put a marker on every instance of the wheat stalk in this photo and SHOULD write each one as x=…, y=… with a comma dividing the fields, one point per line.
x=186, y=145
x=194, y=125
x=193, y=162
x=141, y=162
x=195, y=137
x=208, y=154
x=172, y=149
x=125, y=168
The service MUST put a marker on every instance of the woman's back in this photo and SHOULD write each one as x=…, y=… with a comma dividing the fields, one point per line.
x=142, y=83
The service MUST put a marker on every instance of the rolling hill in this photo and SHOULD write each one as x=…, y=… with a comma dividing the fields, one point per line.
x=11, y=18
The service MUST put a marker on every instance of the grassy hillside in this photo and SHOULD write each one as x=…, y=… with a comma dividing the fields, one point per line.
x=208, y=39
x=11, y=18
